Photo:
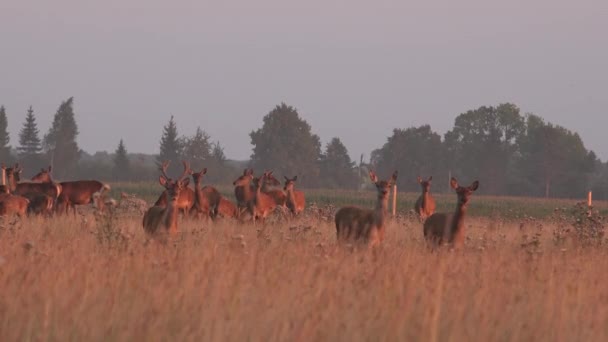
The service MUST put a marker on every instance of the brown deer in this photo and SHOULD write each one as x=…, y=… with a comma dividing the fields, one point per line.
x=206, y=199
x=448, y=228
x=226, y=209
x=163, y=219
x=425, y=205
x=278, y=195
x=295, y=199
x=186, y=199
x=366, y=225
x=262, y=204
x=39, y=200
x=80, y=192
x=13, y=205
x=244, y=191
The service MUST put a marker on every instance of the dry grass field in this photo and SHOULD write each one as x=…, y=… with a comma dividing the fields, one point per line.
x=88, y=279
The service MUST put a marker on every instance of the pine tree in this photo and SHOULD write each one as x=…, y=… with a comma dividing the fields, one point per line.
x=197, y=149
x=171, y=146
x=5, y=149
x=60, y=141
x=122, y=167
x=337, y=169
x=217, y=153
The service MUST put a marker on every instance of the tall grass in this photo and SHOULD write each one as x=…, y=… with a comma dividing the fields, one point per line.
x=289, y=281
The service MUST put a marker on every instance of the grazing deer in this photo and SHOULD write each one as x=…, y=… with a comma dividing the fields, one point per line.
x=425, y=205
x=206, y=199
x=186, y=199
x=226, y=209
x=244, y=191
x=80, y=192
x=295, y=199
x=164, y=218
x=442, y=228
x=262, y=204
x=366, y=225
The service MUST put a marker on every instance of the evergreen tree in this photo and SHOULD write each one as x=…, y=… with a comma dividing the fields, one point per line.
x=286, y=145
x=217, y=153
x=122, y=167
x=171, y=146
x=60, y=141
x=30, y=145
x=197, y=149
x=336, y=168
x=5, y=149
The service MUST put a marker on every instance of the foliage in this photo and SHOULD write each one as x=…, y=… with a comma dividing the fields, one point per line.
x=416, y=151
x=5, y=149
x=60, y=141
x=336, y=168
x=171, y=147
x=286, y=145
x=122, y=165
x=30, y=145
x=197, y=149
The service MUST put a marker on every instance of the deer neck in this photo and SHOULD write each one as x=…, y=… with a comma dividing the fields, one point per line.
x=171, y=216
x=291, y=196
x=381, y=208
x=459, y=216
x=266, y=187
x=425, y=198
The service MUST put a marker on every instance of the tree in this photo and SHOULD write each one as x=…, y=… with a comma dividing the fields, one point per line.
x=60, y=141
x=197, y=149
x=415, y=151
x=482, y=145
x=337, y=170
x=286, y=145
x=122, y=166
x=554, y=160
x=171, y=147
x=5, y=149
x=30, y=145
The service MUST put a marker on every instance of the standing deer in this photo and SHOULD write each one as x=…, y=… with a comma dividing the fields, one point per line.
x=165, y=217
x=425, y=205
x=80, y=192
x=226, y=209
x=295, y=199
x=440, y=228
x=42, y=192
x=206, y=199
x=262, y=204
x=185, y=202
x=11, y=204
x=268, y=185
x=366, y=225
x=243, y=191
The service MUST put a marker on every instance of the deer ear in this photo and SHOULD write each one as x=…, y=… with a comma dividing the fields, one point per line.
x=295, y=178
x=185, y=182
x=394, y=177
x=286, y=179
x=474, y=186
x=162, y=180
x=419, y=179
x=373, y=176
x=205, y=171
x=454, y=183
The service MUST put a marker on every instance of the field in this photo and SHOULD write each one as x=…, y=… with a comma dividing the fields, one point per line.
x=524, y=275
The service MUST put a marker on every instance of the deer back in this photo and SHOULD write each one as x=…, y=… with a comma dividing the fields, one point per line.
x=80, y=192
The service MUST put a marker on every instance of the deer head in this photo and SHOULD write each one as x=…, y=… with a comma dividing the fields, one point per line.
x=383, y=187
x=245, y=179
x=174, y=187
x=44, y=176
x=425, y=184
x=290, y=183
x=463, y=193
x=197, y=177
x=269, y=179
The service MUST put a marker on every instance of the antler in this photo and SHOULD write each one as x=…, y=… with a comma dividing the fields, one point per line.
x=187, y=172
x=163, y=168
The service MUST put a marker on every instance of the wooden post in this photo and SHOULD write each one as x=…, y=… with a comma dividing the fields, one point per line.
x=589, y=199
x=394, y=200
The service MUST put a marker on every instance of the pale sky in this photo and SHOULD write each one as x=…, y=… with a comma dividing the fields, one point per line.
x=353, y=69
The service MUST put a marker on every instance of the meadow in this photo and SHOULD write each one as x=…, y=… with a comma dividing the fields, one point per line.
x=525, y=274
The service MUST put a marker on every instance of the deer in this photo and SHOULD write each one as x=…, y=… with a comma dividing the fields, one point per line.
x=295, y=199
x=81, y=192
x=226, y=209
x=206, y=200
x=163, y=219
x=186, y=199
x=11, y=204
x=366, y=226
x=268, y=185
x=425, y=205
x=41, y=197
x=448, y=228
x=244, y=191
x=262, y=203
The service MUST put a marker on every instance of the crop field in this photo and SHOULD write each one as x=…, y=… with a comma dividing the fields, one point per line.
x=531, y=270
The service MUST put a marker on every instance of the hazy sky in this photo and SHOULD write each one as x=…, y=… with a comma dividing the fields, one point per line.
x=353, y=69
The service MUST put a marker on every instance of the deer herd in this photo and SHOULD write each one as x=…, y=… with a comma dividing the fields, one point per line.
x=256, y=199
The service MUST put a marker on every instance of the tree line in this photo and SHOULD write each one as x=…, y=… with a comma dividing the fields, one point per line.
x=510, y=153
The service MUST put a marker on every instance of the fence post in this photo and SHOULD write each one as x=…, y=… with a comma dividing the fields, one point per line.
x=589, y=199
x=394, y=200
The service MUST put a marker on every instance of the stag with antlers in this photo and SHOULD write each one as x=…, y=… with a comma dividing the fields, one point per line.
x=163, y=219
